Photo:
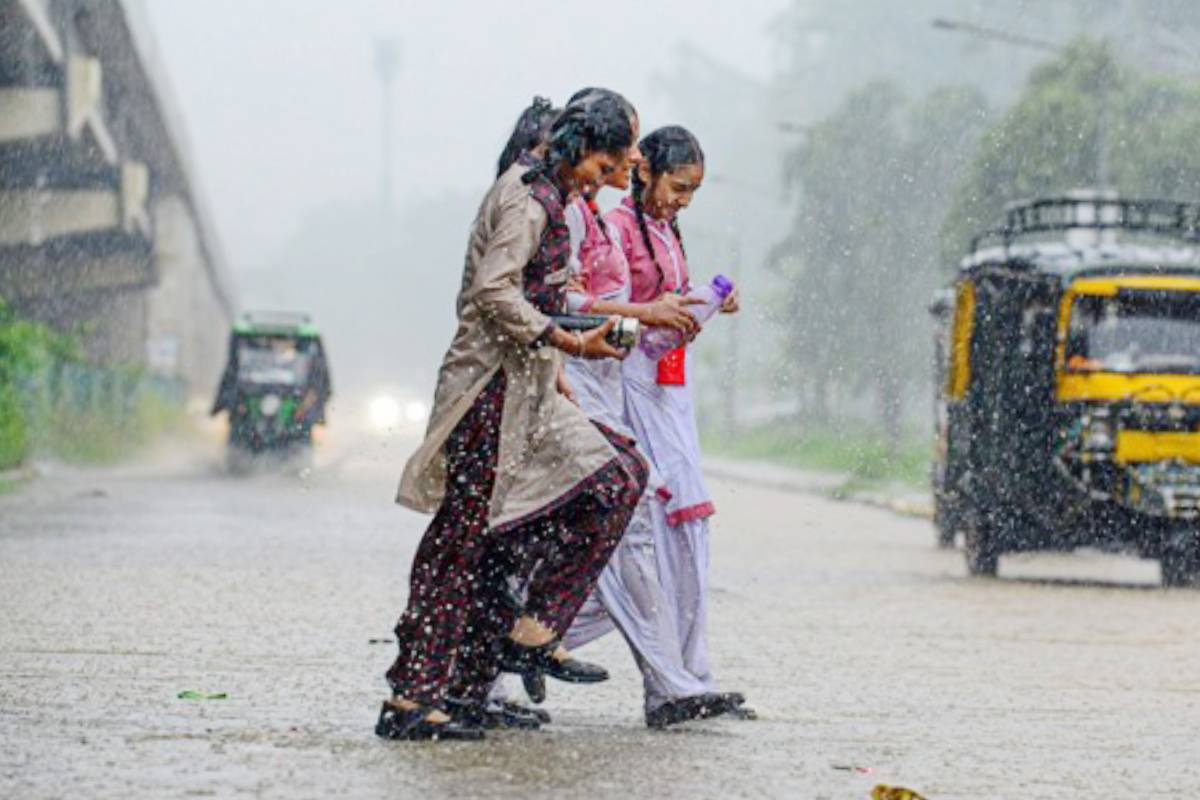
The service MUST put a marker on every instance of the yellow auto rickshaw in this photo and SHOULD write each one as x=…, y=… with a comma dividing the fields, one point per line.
x=1068, y=407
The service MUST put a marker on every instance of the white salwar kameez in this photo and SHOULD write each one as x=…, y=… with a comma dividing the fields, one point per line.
x=631, y=594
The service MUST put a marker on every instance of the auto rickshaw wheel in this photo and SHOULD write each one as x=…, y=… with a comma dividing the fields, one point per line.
x=238, y=460
x=981, y=546
x=1180, y=562
x=946, y=521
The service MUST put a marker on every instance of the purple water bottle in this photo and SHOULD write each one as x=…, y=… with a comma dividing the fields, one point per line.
x=658, y=341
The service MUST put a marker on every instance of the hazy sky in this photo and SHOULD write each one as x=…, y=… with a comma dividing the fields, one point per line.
x=281, y=101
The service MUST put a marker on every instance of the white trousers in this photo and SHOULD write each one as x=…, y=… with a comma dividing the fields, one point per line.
x=653, y=592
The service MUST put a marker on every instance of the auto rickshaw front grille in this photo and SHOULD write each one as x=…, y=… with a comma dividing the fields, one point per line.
x=1182, y=501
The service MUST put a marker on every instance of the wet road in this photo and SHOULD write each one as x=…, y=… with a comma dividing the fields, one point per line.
x=858, y=641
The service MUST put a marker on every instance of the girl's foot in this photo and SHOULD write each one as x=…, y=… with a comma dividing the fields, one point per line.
x=532, y=663
x=404, y=719
x=540, y=715
x=550, y=658
x=529, y=632
x=488, y=714
x=739, y=711
x=701, y=706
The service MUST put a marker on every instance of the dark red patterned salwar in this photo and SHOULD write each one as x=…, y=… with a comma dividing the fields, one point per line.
x=458, y=605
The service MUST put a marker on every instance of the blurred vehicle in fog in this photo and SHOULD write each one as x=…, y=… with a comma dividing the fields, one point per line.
x=275, y=388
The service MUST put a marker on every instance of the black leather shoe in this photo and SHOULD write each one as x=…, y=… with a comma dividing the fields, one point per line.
x=572, y=670
x=701, y=706
x=411, y=725
x=739, y=711
x=535, y=685
x=541, y=715
x=512, y=715
x=491, y=715
x=521, y=659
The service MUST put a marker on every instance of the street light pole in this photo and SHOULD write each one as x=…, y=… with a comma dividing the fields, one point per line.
x=387, y=59
x=996, y=35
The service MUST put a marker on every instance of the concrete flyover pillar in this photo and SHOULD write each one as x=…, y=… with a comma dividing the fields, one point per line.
x=81, y=198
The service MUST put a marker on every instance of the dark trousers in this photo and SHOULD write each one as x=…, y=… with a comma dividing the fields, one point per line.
x=459, y=604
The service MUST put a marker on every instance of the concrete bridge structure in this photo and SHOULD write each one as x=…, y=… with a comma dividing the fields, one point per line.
x=103, y=230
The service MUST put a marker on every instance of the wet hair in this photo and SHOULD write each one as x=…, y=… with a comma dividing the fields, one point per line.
x=596, y=122
x=532, y=128
x=590, y=94
x=663, y=150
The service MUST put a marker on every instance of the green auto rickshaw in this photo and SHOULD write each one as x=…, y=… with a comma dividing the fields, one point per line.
x=275, y=387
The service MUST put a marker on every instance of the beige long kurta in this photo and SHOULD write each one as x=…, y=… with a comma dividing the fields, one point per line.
x=547, y=444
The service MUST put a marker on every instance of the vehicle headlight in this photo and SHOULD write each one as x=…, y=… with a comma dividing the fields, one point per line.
x=384, y=413
x=270, y=405
x=1097, y=435
x=416, y=411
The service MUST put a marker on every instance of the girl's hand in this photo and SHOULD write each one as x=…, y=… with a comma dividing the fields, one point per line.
x=670, y=311
x=732, y=303
x=588, y=344
x=564, y=386
x=575, y=284
x=595, y=346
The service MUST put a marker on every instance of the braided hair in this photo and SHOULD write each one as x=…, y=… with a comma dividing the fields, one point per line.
x=663, y=150
x=531, y=130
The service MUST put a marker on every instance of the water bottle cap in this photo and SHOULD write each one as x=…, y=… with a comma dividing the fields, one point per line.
x=722, y=286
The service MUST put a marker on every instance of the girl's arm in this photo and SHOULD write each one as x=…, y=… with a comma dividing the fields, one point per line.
x=496, y=288
x=668, y=311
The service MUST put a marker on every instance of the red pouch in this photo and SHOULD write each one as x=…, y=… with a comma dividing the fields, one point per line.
x=671, y=368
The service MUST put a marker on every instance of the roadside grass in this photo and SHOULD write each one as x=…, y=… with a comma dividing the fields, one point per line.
x=13, y=436
x=9, y=485
x=847, y=448
x=101, y=435
x=53, y=403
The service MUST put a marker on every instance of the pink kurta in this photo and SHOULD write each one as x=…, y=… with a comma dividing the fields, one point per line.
x=649, y=280
x=663, y=417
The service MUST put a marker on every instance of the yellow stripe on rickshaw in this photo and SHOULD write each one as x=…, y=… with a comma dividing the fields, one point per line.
x=1115, y=386
x=1140, y=447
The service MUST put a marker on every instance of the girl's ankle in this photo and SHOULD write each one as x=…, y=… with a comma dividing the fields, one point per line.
x=528, y=632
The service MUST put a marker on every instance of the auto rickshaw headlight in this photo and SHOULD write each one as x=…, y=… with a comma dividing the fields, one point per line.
x=1097, y=434
x=270, y=405
x=384, y=413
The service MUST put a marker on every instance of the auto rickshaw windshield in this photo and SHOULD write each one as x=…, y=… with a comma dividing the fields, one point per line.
x=1155, y=332
x=273, y=361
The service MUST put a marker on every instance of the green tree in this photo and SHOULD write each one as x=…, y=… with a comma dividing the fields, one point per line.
x=1085, y=118
x=24, y=347
x=871, y=183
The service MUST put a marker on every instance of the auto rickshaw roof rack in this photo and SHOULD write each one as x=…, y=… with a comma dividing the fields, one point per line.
x=1167, y=218
x=293, y=323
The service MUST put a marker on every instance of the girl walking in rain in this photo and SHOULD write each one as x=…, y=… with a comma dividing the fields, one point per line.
x=630, y=594
x=515, y=472
x=660, y=411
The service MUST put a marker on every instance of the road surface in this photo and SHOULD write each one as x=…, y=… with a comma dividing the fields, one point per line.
x=861, y=645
